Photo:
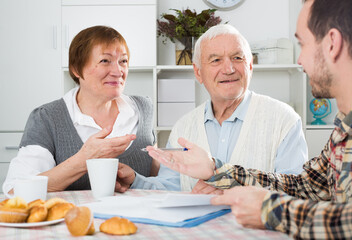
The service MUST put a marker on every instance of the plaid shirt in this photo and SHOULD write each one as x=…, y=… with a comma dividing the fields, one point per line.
x=316, y=204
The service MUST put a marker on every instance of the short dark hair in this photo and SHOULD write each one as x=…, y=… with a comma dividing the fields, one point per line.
x=83, y=43
x=328, y=14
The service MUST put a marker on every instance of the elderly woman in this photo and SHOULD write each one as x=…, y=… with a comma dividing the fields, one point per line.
x=93, y=120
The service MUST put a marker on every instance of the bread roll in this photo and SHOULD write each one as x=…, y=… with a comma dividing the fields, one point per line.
x=79, y=221
x=59, y=211
x=15, y=210
x=35, y=203
x=118, y=226
x=3, y=202
x=37, y=213
x=53, y=201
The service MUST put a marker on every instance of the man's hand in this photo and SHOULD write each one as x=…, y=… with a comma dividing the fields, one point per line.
x=202, y=188
x=195, y=162
x=98, y=146
x=125, y=178
x=246, y=204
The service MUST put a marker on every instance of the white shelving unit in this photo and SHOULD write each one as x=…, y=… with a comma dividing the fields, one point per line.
x=318, y=127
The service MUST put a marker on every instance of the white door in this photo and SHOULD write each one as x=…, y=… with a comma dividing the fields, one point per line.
x=30, y=58
x=135, y=22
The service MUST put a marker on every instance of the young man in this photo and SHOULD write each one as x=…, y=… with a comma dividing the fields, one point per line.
x=317, y=203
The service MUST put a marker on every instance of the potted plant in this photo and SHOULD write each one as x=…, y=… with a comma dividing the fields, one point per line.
x=184, y=28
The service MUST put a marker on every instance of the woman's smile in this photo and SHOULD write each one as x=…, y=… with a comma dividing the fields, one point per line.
x=113, y=83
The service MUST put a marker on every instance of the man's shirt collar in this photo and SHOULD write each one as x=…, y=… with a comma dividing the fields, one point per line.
x=239, y=113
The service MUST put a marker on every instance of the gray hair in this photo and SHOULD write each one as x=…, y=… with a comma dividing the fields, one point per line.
x=215, y=31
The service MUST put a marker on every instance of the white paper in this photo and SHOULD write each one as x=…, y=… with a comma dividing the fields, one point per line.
x=169, y=207
x=184, y=200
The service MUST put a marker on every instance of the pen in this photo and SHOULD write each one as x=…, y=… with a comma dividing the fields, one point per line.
x=168, y=149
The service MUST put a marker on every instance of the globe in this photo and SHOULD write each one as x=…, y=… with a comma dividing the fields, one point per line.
x=320, y=109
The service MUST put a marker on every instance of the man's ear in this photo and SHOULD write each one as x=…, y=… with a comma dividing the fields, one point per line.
x=334, y=44
x=197, y=73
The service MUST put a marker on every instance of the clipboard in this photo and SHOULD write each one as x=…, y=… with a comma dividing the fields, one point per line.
x=170, y=209
x=182, y=224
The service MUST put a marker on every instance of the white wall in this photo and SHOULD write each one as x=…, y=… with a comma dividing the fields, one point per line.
x=255, y=19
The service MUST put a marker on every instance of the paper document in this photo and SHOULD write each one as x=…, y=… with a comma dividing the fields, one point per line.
x=169, y=207
x=181, y=200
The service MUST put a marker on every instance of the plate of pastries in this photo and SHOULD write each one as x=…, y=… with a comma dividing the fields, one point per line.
x=16, y=212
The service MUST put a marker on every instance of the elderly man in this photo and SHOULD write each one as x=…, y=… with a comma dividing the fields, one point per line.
x=237, y=126
x=317, y=203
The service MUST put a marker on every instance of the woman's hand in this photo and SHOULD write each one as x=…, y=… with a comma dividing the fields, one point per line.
x=195, y=162
x=125, y=178
x=98, y=146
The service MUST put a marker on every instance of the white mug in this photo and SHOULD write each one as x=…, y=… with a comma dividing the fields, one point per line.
x=30, y=188
x=102, y=174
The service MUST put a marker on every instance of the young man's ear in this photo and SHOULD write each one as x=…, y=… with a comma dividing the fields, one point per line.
x=197, y=73
x=334, y=44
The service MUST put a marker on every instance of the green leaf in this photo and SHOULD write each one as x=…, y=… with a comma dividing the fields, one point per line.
x=169, y=17
x=190, y=13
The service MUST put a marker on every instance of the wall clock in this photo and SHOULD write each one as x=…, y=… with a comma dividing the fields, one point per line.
x=224, y=4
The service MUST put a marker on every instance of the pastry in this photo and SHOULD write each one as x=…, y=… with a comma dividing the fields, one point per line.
x=79, y=221
x=15, y=210
x=52, y=201
x=58, y=211
x=3, y=202
x=37, y=214
x=118, y=226
x=16, y=202
x=35, y=203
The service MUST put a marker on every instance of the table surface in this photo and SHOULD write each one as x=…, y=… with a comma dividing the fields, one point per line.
x=224, y=227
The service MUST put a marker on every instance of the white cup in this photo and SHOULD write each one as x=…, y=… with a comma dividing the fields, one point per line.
x=30, y=188
x=102, y=174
